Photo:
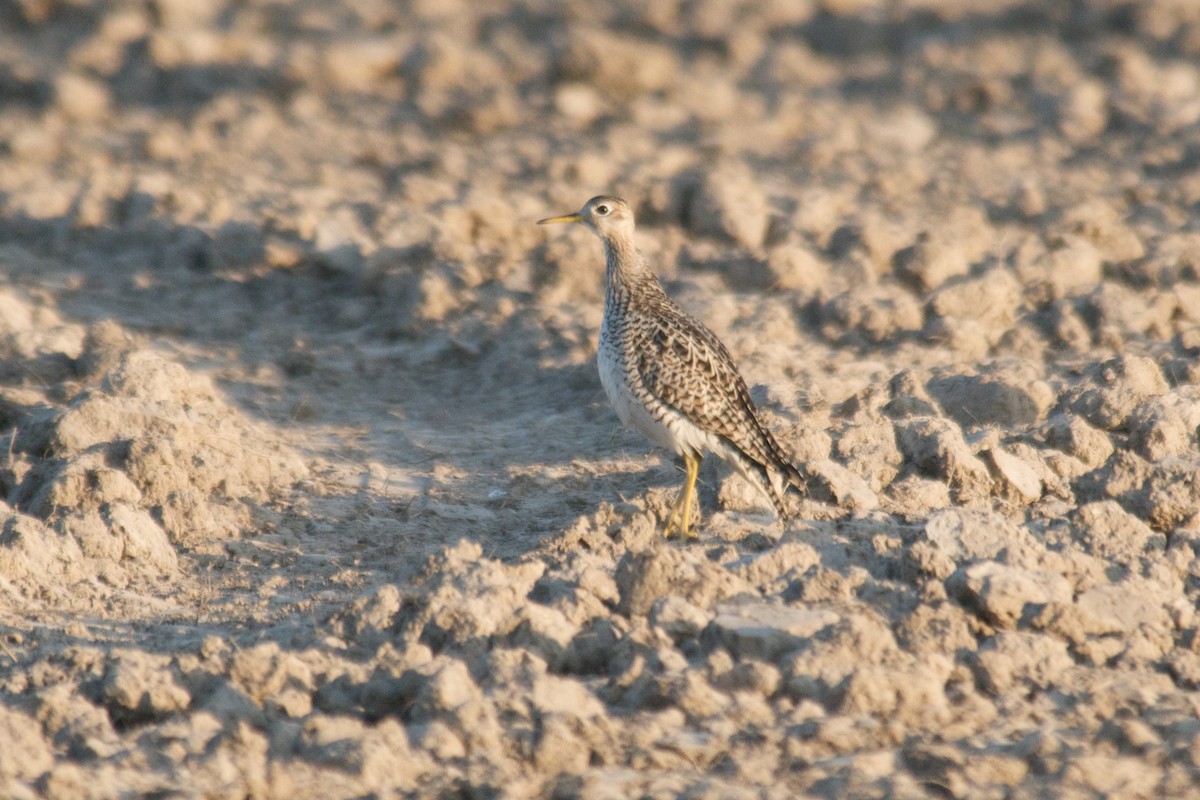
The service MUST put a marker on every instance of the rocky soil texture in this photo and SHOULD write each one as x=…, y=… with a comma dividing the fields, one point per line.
x=310, y=488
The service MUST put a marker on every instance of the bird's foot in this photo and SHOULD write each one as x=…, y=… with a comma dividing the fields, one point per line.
x=679, y=520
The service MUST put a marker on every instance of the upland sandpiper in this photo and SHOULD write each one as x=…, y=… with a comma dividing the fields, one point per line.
x=669, y=377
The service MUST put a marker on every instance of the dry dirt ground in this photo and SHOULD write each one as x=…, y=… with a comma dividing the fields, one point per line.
x=310, y=488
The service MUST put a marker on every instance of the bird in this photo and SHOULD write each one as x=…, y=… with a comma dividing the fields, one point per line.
x=669, y=377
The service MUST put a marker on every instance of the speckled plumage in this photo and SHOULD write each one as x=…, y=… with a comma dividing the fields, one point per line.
x=668, y=376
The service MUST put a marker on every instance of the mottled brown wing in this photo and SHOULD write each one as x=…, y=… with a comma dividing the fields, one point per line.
x=685, y=366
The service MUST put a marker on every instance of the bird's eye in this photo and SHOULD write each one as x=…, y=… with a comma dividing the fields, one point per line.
x=602, y=210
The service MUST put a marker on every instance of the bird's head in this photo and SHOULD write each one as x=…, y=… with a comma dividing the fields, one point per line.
x=605, y=215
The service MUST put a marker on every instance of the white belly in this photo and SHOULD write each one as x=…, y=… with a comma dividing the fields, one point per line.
x=670, y=429
x=631, y=411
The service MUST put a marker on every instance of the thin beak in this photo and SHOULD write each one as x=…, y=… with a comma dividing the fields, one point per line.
x=563, y=218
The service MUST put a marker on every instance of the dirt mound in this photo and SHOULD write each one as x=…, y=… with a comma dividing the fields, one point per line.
x=127, y=459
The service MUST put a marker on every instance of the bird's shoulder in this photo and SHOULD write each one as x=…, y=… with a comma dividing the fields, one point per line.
x=670, y=333
x=680, y=361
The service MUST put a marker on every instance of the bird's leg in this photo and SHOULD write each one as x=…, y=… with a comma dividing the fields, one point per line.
x=693, y=466
x=673, y=519
x=681, y=512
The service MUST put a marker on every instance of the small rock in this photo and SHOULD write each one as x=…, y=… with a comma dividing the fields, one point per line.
x=1015, y=479
x=1073, y=265
x=1169, y=496
x=1122, y=311
x=138, y=687
x=274, y=679
x=75, y=724
x=620, y=67
x=185, y=15
x=911, y=689
x=555, y=694
x=81, y=97
x=916, y=496
x=935, y=762
x=834, y=653
x=909, y=397
x=26, y=753
x=441, y=686
x=794, y=266
x=143, y=539
x=1083, y=111
x=96, y=539
x=679, y=618
x=594, y=649
x=582, y=589
x=545, y=631
x=379, y=753
x=373, y=613
x=1112, y=390
x=1105, y=225
x=358, y=65
x=340, y=240
x=967, y=535
x=1108, y=531
x=937, y=627
x=1005, y=393
x=342, y=695
x=231, y=705
x=750, y=676
x=936, y=447
x=967, y=338
x=730, y=203
x=945, y=251
x=439, y=740
x=426, y=297
x=469, y=598
x=103, y=346
x=906, y=129
x=1073, y=435
x=1000, y=593
x=1024, y=341
x=766, y=570
x=643, y=577
x=877, y=313
x=993, y=299
x=1017, y=658
x=31, y=554
x=1028, y=199
x=561, y=748
x=692, y=694
x=1187, y=304
x=831, y=482
x=868, y=448
x=1184, y=668
x=1166, y=426
x=1125, y=607
x=1066, y=326
x=764, y=630
x=578, y=102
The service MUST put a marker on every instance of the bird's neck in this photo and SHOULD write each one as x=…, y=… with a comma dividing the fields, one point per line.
x=627, y=272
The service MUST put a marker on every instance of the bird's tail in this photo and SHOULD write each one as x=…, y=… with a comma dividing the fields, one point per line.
x=765, y=465
x=779, y=477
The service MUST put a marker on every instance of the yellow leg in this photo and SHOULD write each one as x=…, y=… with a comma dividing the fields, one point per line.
x=681, y=512
x=673, y=517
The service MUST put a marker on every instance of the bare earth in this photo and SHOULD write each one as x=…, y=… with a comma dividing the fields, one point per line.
x=311, y=489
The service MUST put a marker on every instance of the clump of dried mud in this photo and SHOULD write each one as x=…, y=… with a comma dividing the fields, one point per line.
x=309, y=485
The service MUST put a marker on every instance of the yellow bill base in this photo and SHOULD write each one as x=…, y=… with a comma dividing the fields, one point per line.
x=564, y=218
